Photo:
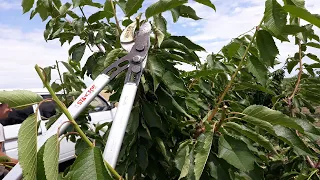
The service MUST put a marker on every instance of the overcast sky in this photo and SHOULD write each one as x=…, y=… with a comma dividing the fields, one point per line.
x=22, y=44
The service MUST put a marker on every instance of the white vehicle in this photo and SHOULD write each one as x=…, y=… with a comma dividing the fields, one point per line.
x=103, y=112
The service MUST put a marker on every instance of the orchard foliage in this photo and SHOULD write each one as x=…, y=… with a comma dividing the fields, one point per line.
x=231, y=118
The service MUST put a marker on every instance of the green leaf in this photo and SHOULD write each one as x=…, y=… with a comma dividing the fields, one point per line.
x=97, y=16
x=202, y=150
x=133, y=123
x=170, y=103
x=151, y=116
x=108, y=9
x=173, y=82
x=40, y=166
x=313, y=44
x=188, y=43
x=51, y=158
x=272, y=116
x=264, y=142
x=89, y=164
x=159, y=35
x=113, y=56
x=27, y=5
x=175, y=15
x=187, y=12
x=76, y=3
x=163, y=150
x=160, y=22
x=267, y=47
x=57, y=3
x=27, y=143
x=182, y=160
x=313, y=57
x=258, y=70
x=303, y=14
x=162, y=6
x=156, y=69
x=274, y=17
x=236, y=153
x=245, y=85
x=291, y=64
x=81, y=145
x=78, y=52
x=290, y=137
x=132, y=6
x=19, y=99
x=142, y=157
x=63, y=9
x=218, y=168
x=207, y=3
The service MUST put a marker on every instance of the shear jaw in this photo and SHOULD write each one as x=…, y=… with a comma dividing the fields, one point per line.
x=127, y=37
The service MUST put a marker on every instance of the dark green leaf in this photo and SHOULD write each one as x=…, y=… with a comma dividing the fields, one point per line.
x=78, y=52
x=173, y=82
x=57, y=3
x=291, y=64
x=313, y=44
x=143, y=157
x=187, y=12
x=162, y=6
x=151, y=116
x=188, y=43
x=81, y=145
x=51, y=157
x=27, y=143
x=313, y=57
x=108, y=9
x=251, y=135
x=274, y=17
x=78, y=25
x=236, y=153
x=133, y=123
x=132, y=6
x=169, y=102
x=258, y=70
x=175, y=15
x=89, y=164
x=267, y=47
x=207, y=3
x=272, y=116
x=97, y=16
x=303, y=14
x=156, y=68
x=27, y=5
x=290, y=137
x=218, y=168
x=202, y=150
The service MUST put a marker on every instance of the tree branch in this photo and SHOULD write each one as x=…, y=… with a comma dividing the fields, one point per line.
x=115, y=17
x=234, y=74
x=300, y=72
x=223, y=117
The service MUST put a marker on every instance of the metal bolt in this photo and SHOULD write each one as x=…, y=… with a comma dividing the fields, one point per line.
x=136, y=59
x=140, y=47
x=136, y=68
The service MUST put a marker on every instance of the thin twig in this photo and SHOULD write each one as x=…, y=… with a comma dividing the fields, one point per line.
x=62, y=84
x=234, y=74
x=65, y=135
x=81, y=9
x=115, y=16
x=311, y=163
x=223, y=117
x=300, y=73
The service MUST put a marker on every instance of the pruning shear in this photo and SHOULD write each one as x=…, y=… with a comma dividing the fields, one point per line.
x=137, y=44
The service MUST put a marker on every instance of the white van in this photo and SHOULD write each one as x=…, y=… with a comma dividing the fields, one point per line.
x=103, y=112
